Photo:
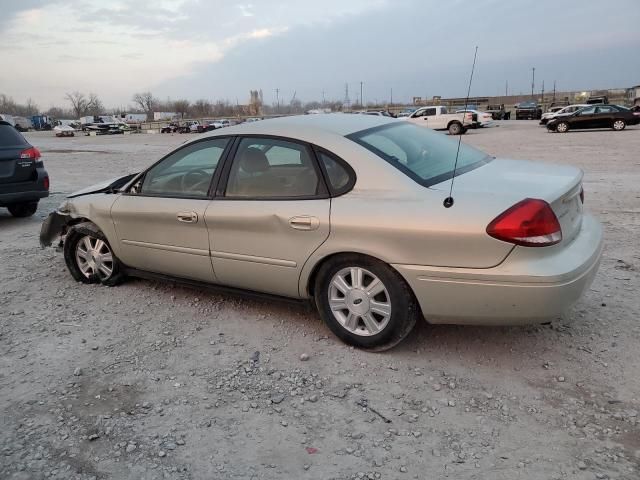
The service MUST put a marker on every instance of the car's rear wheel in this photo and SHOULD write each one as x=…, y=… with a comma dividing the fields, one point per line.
x=21, y=210
x=619, y=125
x=89, y=256
x=455, y=129
x=562, y=127
x=365, y=302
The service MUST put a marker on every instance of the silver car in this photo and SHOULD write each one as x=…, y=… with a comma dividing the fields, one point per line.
x=349, y=211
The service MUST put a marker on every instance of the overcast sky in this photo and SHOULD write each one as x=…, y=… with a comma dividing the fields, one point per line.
x=220, y=49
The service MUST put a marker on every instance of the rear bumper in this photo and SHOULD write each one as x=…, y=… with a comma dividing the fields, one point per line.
x=24, y=191
x=530, y=286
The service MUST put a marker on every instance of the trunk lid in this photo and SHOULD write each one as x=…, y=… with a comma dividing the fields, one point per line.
x=507, y=182
x=14, y=169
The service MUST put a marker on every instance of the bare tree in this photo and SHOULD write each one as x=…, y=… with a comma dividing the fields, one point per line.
x=146, y=101
x=78, y=103
x=94, y=105
x=181, y=107
x=202, y=108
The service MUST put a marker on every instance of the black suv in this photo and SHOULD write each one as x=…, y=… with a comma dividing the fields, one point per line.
x=528, y=111
x=23, y=179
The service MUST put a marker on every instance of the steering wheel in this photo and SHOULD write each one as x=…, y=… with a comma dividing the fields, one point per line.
x=193, y=179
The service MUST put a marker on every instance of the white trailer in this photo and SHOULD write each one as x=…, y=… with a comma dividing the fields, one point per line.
x=162, y=116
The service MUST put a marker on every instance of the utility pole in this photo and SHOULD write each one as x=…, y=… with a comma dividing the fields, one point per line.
x=277, y=100
x=542, y=101
x=554, y=90
x=506, y=88
x=347, y=100
x=391, y=101
x=361, y=100
x=533, y=80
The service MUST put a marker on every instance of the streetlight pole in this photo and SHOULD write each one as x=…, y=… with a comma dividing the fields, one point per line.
x=361, y=100
x=533, y=80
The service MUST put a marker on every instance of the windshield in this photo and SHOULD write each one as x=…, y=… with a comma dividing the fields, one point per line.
x=424, y=155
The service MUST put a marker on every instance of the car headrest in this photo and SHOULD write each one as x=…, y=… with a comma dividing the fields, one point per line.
x=254, y=161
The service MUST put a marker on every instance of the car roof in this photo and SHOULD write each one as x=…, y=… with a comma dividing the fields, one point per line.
x=303, y=126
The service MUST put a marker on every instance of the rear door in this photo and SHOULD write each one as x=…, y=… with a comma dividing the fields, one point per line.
x=603, y=117
x=160, y=222
x=15, y=166
x=271, y=215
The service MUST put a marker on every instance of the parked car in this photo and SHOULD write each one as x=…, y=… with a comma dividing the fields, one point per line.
x=23, y=179
x=22, y=124
x=170, y=128
x=406, y=112
x=498, y=112
x=345, y=211
x=7, y=118
x=479, y=119
x=438, y=118
x=528, y=111
x=555, y=111
x=594, y=116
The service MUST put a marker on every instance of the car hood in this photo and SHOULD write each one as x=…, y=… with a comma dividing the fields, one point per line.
x=104, y=187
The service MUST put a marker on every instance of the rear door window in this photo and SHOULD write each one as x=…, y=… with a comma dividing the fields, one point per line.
x=10, y=137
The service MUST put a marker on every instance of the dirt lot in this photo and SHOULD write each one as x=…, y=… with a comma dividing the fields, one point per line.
x=153, y=381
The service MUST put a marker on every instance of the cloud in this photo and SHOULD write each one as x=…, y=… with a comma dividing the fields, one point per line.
x=222, y=48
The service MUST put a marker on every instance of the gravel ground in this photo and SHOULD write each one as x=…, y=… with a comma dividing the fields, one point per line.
x=153, y=381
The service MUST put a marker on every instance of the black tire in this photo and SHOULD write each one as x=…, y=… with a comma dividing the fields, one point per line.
x=562, y=127
x=76, y=234
x=455, y=128
x=404, y=307
x=618, y=124
x=21, y=210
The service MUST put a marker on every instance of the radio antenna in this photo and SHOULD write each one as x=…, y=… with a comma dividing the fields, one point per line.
x=448, y=202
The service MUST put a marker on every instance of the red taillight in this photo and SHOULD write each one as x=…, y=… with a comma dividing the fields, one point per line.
x=33, y=153
x=530, y=223
x=581, y=195
x=45, y=182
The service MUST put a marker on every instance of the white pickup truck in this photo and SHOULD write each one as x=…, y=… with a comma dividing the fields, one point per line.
x=438, y=118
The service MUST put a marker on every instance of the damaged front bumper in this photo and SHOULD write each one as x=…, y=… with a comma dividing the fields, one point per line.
x=53, y=227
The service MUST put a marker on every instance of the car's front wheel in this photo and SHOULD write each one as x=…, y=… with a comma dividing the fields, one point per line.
x=89, y=256
x=21, y=210
x=562, y=127
x=455, y=129
x=365, y=302
x=619, y=125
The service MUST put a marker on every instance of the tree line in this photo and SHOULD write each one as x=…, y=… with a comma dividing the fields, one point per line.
x=80, y=104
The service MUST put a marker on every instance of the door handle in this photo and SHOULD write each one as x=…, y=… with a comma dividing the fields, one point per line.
x=304, y=222
x=187, y=217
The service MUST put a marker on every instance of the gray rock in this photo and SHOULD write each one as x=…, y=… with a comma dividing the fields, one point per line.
x=304, y=357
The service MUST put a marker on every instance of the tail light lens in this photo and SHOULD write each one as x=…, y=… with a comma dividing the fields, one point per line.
x=33, y=153
x=530, y=223
x=45, y=182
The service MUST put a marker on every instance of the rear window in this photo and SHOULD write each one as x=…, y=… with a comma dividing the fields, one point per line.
x=9, y=136
x=424, y=155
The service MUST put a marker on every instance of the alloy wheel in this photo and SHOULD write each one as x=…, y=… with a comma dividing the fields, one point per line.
x=618, y=125
x=562, y=127
x=359, y=301
x=94, y=257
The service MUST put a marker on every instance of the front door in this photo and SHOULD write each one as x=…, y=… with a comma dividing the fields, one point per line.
x=161, y=224
x=274, y=213
x=584, y=118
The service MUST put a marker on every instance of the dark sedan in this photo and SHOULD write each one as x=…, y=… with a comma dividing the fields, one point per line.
x=595, y=116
